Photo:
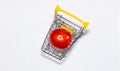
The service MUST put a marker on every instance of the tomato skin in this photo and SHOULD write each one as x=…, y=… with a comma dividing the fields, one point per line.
x=60, y=38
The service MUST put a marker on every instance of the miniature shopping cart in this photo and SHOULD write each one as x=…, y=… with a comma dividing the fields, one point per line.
x=58, y=43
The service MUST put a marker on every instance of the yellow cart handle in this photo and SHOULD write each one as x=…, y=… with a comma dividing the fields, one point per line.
x=57, y=9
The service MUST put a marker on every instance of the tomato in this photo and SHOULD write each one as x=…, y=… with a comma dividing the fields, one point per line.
x=60, y=38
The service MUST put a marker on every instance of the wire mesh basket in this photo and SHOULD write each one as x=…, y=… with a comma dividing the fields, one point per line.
x=61, y=22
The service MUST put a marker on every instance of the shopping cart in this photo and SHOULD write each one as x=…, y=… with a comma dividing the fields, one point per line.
x=62, y=35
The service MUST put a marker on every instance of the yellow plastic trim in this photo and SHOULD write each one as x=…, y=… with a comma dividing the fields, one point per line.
x=73, y=16
x=63, y=26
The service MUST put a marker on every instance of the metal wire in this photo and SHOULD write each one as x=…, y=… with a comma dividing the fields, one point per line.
x=49, y=49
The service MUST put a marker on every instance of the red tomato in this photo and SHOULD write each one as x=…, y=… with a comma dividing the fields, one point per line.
x=60, y=38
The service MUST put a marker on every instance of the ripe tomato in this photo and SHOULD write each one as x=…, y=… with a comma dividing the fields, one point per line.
x=60, y=38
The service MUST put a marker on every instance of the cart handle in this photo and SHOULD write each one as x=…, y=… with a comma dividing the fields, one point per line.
x=57, y=9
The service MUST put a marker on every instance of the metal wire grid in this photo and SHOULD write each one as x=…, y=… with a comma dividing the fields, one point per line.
x=49, y=48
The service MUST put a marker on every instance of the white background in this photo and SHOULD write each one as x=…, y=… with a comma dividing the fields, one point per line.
x=24, y=25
